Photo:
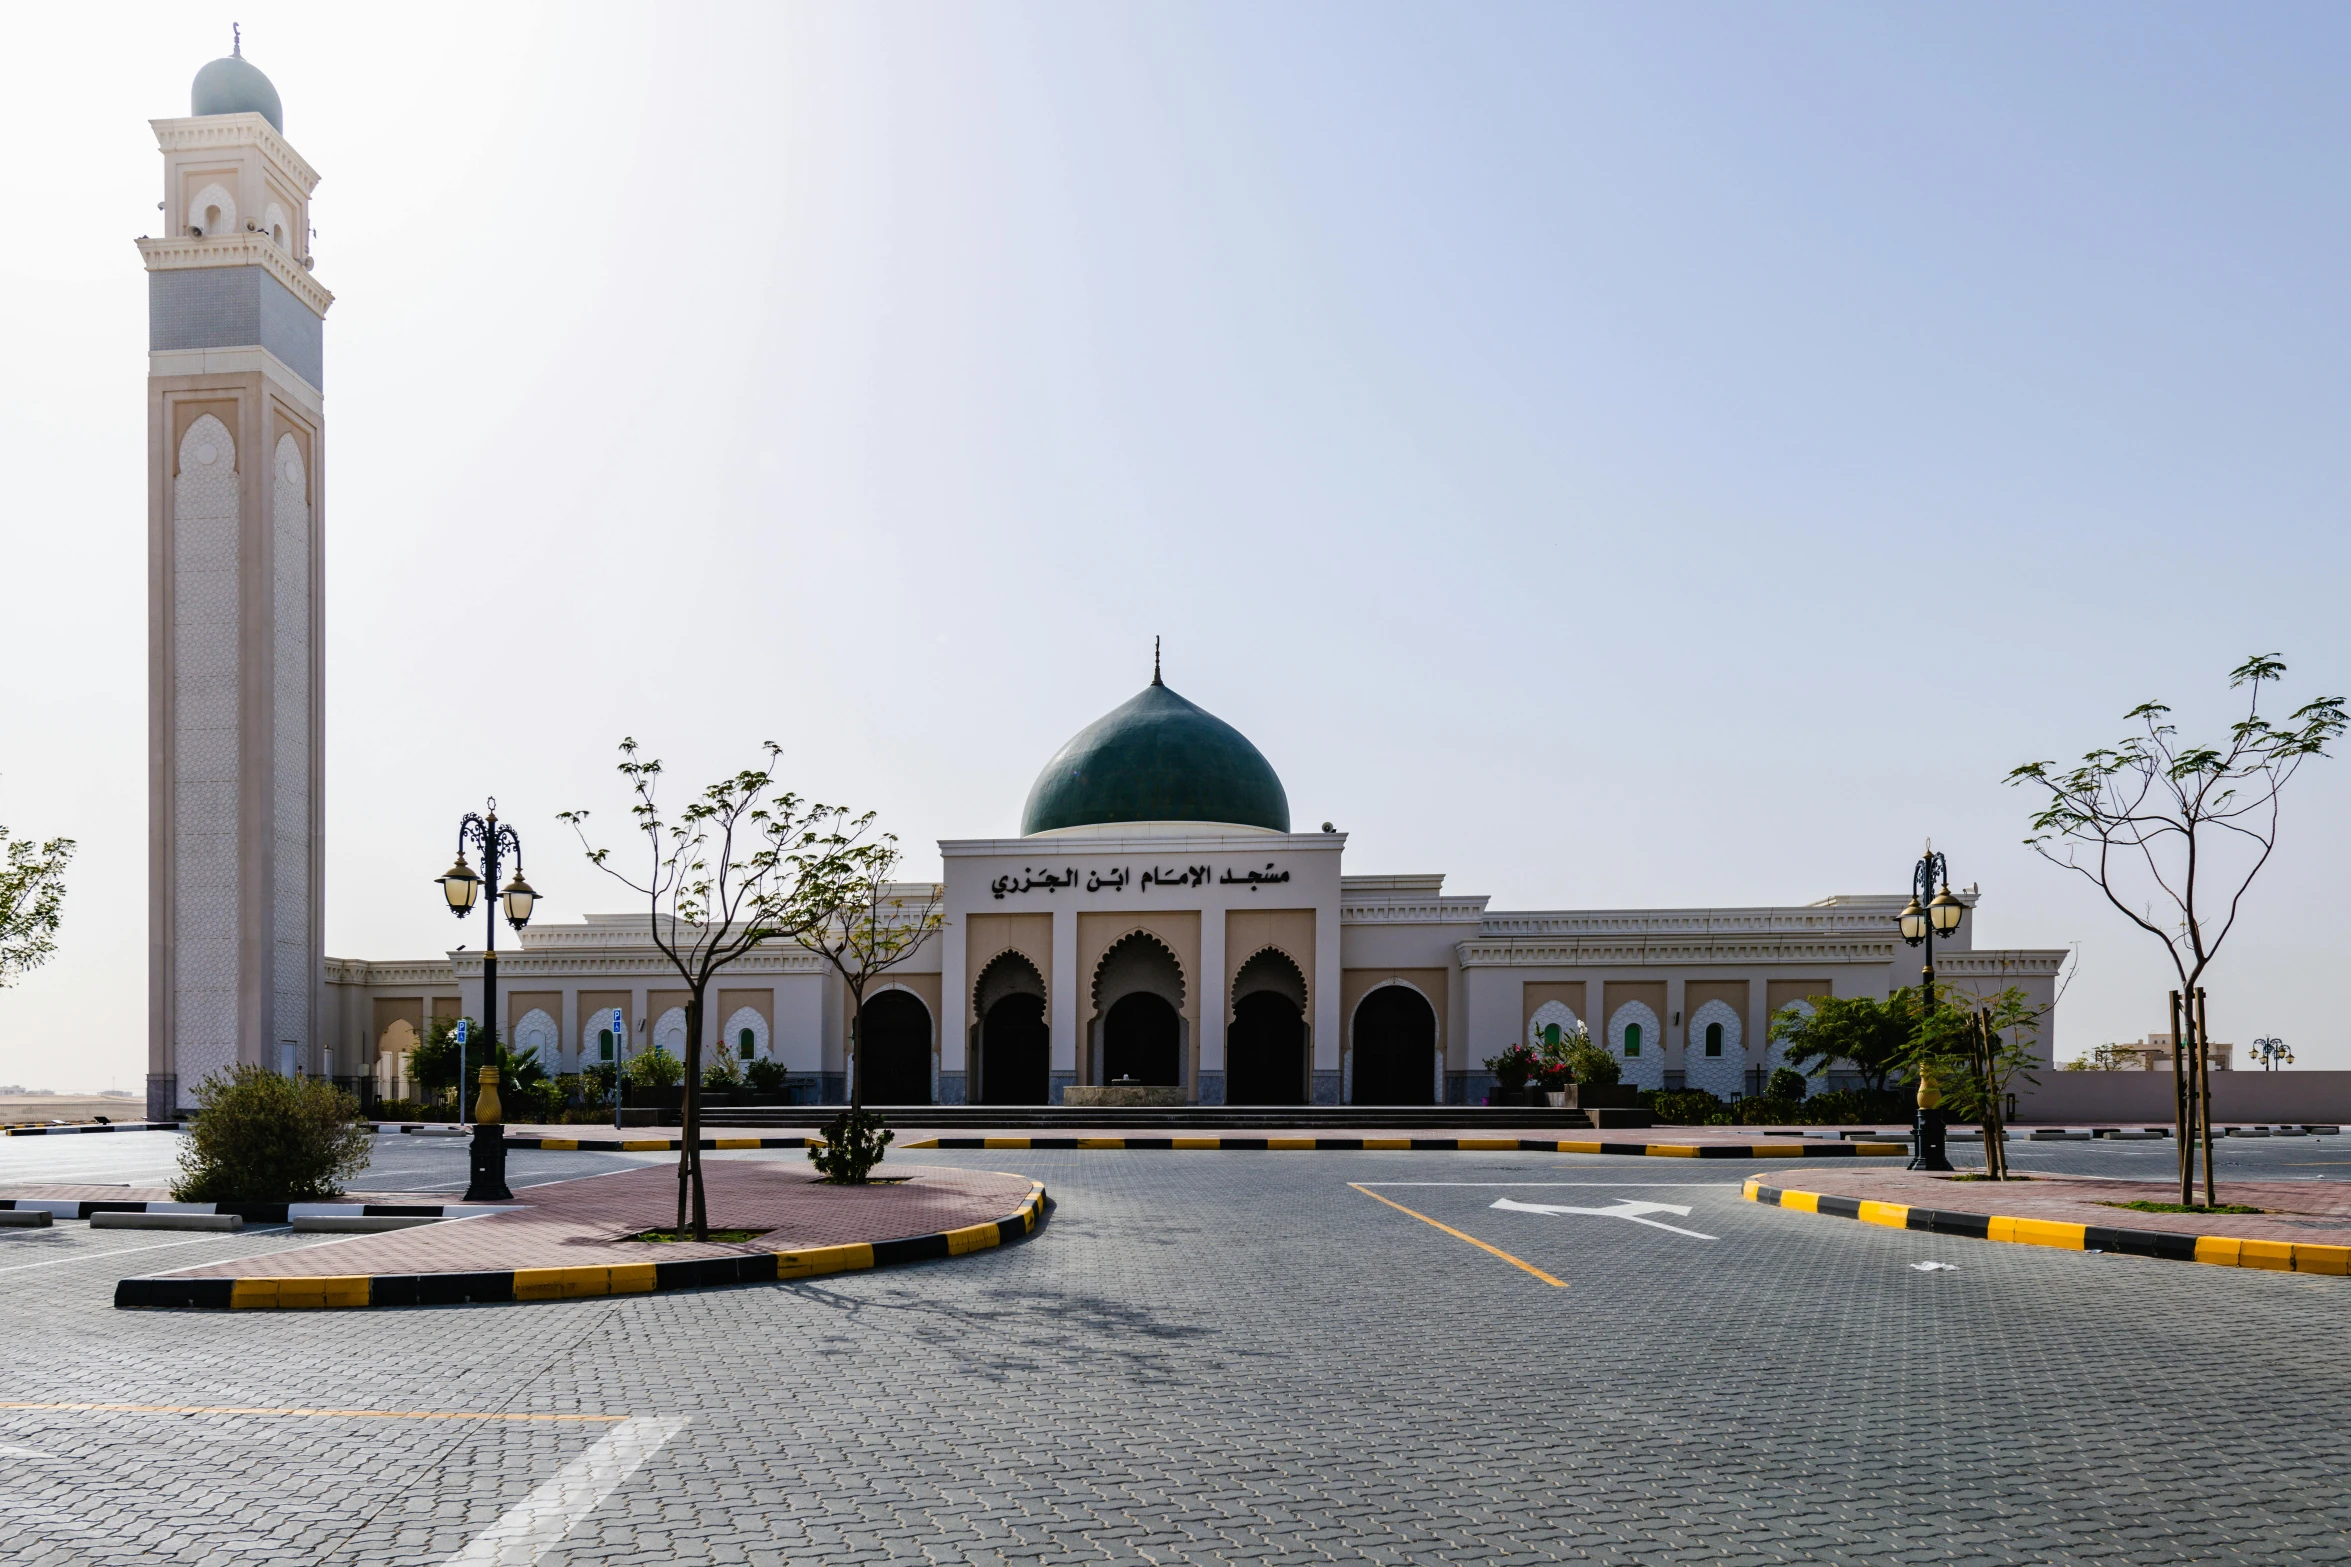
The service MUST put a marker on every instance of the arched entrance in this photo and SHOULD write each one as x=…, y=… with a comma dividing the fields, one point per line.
x=1014, y=1059
x=1395, y=1048
x=1139, y=989
x=1265, y=1043
x=894, y=1050
x=1142, y=1039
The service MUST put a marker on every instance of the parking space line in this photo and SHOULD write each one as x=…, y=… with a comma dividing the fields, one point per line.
x=325, y=1414
x=537, y=1524
x=125, y=1251
x=1472, y=1239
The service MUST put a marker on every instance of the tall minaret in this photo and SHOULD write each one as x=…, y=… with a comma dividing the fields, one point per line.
x=235, y=458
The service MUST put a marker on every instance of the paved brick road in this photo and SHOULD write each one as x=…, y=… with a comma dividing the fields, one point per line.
x=1233, y=1357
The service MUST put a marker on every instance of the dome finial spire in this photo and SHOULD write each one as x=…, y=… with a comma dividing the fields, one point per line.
x=1155, y=680
x=236, y=41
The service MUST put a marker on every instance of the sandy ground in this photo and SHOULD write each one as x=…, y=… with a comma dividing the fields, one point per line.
x=16, y=1109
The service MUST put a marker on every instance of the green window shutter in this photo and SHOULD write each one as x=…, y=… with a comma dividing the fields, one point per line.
x=604, y=1044
x=745, y=1040
x=1714, y=1039
x=1632, y=1039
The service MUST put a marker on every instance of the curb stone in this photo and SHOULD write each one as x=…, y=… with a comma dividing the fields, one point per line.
x=2169, y=1245
x=1823, y=1150
x=516, y=1284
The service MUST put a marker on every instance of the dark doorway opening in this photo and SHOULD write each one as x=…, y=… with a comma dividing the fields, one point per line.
x=1265, y=1052
x=1015, y=1063
x=1395, y=1048
x=1142, y=1039
x=894, y=1050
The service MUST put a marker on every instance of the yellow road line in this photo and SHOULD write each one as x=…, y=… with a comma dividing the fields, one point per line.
x=1472, y=1239
x=331, y=1414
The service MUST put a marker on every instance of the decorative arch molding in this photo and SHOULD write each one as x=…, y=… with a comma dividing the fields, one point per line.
x=540, y=1032
x=1127, y=944
x=213, y=210
x=1720, y=1075
x=1548, y=1013
x=732, y=1036
x=1270, y=968
x=1647, y=1069
x=592, y=1039
x=1011, y=972
x=669, y=1032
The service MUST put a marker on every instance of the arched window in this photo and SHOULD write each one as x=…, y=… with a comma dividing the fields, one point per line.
x=1632, y=1039
x=1714, y=1039
x=747, y=1043
x=604, y=1044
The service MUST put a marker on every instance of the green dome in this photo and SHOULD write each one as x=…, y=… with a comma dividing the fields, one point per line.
x=1157, y=758
x=231, y=85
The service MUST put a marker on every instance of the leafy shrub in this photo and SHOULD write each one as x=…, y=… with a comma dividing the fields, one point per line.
x=853, y=1145
x=721, y=1074
x=656, y=1068
x=1683, y=1107
x=404, y=1110
x=1590, y=1062
x=767, y=1078
x=1786, y=1083
x=260, y=1137
x=595, y=1082
x=539, y=1103
x=1514, y=1066
x=1696, y=1107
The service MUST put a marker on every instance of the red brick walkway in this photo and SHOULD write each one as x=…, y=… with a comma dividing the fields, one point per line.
x=2313, y=1212
x=572, y=1224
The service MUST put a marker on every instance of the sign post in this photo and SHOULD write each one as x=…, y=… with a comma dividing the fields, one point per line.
x=620, y=1055
x=460, y=1035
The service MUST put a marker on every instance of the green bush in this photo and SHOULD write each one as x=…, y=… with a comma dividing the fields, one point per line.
x=1683, y=1107
x=721, y=1075
x=259, y=1137
x=656, y=1068
x=1786, y=1083
x=1842, y=1107
x=853, y=1145
x=1589, y=1062
x=767, y=1078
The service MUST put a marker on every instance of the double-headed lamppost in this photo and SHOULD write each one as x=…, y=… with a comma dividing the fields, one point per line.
x=1927, y=915
x=463, y=889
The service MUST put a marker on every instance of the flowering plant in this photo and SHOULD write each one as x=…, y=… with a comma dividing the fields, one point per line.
x=1514, y=1066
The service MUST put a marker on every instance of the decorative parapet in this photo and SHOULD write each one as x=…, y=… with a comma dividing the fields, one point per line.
x=237, y=250
x=210, y=132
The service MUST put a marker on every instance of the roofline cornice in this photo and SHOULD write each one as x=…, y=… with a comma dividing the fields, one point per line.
x=1140, y=842
x=241, y=249
x=203, y=132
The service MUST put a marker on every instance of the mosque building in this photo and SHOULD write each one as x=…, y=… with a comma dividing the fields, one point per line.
x=1156, y=920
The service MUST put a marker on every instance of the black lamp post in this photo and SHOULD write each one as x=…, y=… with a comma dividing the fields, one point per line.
x=1929, y=914
x=463, y=889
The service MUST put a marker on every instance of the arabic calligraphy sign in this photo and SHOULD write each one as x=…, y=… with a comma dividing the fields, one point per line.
x=1118, y=878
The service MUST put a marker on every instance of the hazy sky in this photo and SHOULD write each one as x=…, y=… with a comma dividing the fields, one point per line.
x=1617, y=456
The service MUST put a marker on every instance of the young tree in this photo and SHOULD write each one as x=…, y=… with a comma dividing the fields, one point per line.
x=726, y=875
x=1975, y=1053
x=1873, y=1035
x=2173, y=834
x=32, y=901
x=868, y=926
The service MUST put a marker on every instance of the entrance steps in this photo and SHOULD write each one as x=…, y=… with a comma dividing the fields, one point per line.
x=1231, y=1118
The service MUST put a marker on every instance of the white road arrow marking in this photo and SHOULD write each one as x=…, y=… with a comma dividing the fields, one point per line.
x=1622, y=1208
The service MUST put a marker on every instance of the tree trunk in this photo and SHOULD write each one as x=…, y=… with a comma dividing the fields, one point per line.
x=2204, y=1096
x=690, y=1129
x=2183, y=1126
x=856, y=1044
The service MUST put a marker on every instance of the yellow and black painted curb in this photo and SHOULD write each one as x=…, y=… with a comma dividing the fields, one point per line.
x=655, y=1144
x=2170, y=1245
x=84, y=1131
x=635, y=1278
x=1808, y=1150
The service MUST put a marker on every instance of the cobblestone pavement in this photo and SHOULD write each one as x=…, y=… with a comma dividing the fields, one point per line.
x=1223, y=1358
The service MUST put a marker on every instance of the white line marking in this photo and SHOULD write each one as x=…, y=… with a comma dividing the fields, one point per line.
x=537, y=1524
x=1622, y=1208
x=125, y=1251
x=1710, y=1186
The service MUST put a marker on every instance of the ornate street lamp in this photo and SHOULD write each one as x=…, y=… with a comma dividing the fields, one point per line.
x=2270, y=1051
x=463, y=889
x=1928, y=915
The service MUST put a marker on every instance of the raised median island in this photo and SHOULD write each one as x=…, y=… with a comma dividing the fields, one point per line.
x=570, y=1239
